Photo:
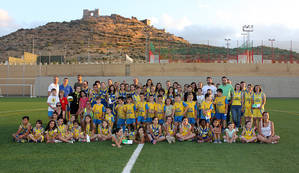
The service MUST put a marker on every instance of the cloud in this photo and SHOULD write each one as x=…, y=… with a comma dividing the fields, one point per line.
x=7, y=24
x=170, y=23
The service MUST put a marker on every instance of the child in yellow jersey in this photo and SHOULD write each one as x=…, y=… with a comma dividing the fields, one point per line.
x=76, y=130
x=104, y=131
x=168, y=108
x=51, y=132
x=37, y=134
x=159, y=109
x=170, y=130
x=191, y=110
x=248, y=134
x=179, y=110
x=155, y=132
x=150, y=109
x=258, y=104
x=98, y=111
x=63, y=134
x=206, y=108
x=204, y=132
x=70, y=124
x=88, y=129
x=109, y=117
x=185, y=132
x=141, y=111
x=221, y=106
x=120, y=113
x=24, y=129
x=130, y=110
x=246, y=108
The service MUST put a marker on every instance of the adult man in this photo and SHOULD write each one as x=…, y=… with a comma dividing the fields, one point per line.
x=209, y=86
x=66, y=87
x=85, y=88
x=135, y=82
x=228, y=90
x=54, y=85
x=79, y=82
x=109, y=82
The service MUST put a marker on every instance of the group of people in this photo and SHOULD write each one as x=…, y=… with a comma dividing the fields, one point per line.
x=135, y=113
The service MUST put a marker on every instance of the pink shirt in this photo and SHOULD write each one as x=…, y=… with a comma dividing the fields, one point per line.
x=83, y=102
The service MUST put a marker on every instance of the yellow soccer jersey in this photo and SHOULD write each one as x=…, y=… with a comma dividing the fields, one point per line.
x=220, y=103
x=247, y=99
x=159, y=109
x=52, y=133
x=237, y=98
x=62, y=130
x=141, y=110
x=104, y=131
x=150, y=107
x=98, y=110
x=185, y=129
x=37, y=132
x=179, y=108
x=207, y=106
x=109, y=119
x=76, y=131
x=130, y=110
x=120, y=111
x=191, y=109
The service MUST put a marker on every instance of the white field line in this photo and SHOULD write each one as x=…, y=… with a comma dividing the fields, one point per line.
x=289, y=112
x=24, y=110
x=131, y=162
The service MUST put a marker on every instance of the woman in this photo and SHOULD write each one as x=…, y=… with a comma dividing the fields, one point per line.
x=236, y=102
x=266, y=130
x=258, y=104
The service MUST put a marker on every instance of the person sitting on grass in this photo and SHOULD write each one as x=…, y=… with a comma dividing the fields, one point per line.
x=131, y=132
x=216, y=129
x=117, y=138
x=170, y=130
x=155, y=132
x=266, y=130
x=63, y=134
x=140, y=137
x=204, y=132
x=71, y=121
x=37, y=134
x=248, y=133
x=51, y=132
x=230, y=133
x=76, y=130
x=88, y=133
x=24, y=129
x=104, y=131
x=185, y=133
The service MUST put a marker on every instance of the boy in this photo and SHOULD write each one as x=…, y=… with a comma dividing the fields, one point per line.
x=180, y=110
x=53, y=99
x=24, y=129
x=159, y=109
x=98, y=111
x=191, y=110
x=141, y=110
x=206, y=108
x=37, y=132
x=121, y=115
x=150, y=110
x=221, y=105
x=109, y=117
x=130, y=110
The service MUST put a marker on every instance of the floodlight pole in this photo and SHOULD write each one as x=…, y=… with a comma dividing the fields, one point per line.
x=272, y=41
x=227, y=46
x=247, y=29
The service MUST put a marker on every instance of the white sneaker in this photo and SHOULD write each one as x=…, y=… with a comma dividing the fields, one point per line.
x=71, y=142
x=215, y=142
x=219, y=142
x=57, y=141
x=173, y=139
x=237, y=129
x=168, y=138
x=224, y=140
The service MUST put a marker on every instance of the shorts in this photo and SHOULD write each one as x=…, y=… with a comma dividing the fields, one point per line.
x=220, y=116
x=178, y=118
x=141, y=119
x=198, y=113
x=149, y=120
x=248, y=112
x=131, y=120
x=191, y=120
x=121, y=121
x=161, y=121
x=50, y=113
x=257, y=113
x=97, y=121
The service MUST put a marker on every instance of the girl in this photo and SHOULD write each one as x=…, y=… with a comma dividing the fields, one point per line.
x=87, y=110
x=76, y=131
x=140, y=137
x=37, y=133
x=150, y=110
x=159, y=109
x=88, y=133
x=111, y=97
x=170, y=130
x=59, y=110
x=130, y=110
x=70, y=124
x=216, y=129
x=204, y=132
x=51, y=132
x=82, y=104
x=104, y=131
x=158, y=88
x=246, y=109
x=206, y=108
x=236, y=105
x=248, y=134
x=148, y=85
x=155, y=132
x=63, y=133
x=122, y=92
x=168, y=109
x=258, y=103
x=179, y=110
x=230, y=134
x=171, y=93
x=162, y=93
x=109, y=117
x=64, y=103
x=191, y=110
x=141, y=111
x=117, y=138
x=266, y=130
x=185, y=132
x=131, y=133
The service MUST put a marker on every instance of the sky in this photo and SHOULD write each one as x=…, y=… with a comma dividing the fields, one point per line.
x=195, y=20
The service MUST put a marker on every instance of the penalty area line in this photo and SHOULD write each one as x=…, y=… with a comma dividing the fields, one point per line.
x=131, y=162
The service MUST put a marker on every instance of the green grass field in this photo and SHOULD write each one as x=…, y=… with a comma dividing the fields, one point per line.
x=163, y=157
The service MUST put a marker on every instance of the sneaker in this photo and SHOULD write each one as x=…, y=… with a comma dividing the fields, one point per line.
x=237, y=130
x=71, y=142
x=224, y=140
x=173, y=139
x=215, y=142
x=219, y=142
x=57, y=141
x=168, y=138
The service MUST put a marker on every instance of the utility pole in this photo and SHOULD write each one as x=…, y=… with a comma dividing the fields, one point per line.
x=227, y=46
x=272, y=41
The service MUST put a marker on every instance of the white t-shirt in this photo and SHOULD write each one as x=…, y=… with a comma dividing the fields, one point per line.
x=52, y=100
x=51, y=86
x=206, y=87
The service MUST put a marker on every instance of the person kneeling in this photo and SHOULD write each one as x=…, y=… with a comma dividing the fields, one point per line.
x=185, y=132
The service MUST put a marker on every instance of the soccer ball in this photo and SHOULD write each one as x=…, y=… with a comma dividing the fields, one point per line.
x=69, y=98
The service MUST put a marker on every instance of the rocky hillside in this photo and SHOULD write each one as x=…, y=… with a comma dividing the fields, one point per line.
x=102, y=38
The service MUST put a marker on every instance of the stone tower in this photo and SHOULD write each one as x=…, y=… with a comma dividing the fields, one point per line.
x=87, y=14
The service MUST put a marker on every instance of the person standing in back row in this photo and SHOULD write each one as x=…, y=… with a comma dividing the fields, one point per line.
x=227, y=92
x=79, y=82
x=54, y=85
x=209, y=86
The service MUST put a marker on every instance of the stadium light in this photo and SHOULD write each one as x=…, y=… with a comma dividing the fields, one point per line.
x=247, y=29
x=272, y=41
x=227, y=46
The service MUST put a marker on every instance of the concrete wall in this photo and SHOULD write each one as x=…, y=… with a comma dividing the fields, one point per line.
x=272, y=86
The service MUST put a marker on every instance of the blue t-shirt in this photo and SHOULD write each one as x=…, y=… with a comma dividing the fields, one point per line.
x=67, y=89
